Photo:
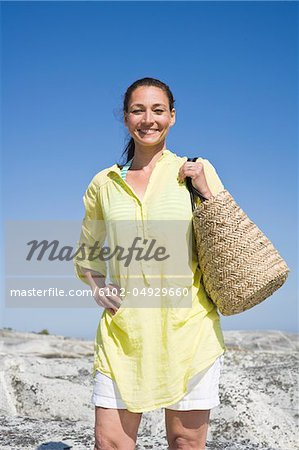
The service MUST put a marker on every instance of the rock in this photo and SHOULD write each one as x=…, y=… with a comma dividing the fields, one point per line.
x=46, y=385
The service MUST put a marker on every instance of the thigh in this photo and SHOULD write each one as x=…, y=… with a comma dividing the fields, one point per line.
x=187, y=427
x=116, y=428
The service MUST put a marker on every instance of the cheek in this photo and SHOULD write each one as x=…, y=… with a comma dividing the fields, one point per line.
x=132, y=124
x=165, y=123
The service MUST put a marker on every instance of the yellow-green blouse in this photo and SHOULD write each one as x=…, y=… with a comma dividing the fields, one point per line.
x=149, y=350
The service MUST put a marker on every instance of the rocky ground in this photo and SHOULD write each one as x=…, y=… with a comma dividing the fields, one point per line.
x=39, y=375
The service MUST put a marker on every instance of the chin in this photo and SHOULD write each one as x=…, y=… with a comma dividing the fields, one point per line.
x=150, y=143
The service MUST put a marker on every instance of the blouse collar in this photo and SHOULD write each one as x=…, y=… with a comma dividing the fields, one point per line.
x=165, y=154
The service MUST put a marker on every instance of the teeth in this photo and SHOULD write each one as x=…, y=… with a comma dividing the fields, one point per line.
x=148, y=131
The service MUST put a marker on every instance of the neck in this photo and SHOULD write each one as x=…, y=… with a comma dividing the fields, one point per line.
x=146, y=157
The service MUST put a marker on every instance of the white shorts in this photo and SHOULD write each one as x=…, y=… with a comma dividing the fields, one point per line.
x=202, y=393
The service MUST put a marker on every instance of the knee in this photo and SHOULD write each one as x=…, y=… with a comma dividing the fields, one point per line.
x=102, y=443
x=183, y=443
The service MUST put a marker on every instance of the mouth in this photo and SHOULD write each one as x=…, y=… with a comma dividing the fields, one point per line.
x=148, y=131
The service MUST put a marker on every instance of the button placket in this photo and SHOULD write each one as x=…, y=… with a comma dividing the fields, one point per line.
x=141, y=234
x=147, y=266
x=141, y=227
x=129, y=189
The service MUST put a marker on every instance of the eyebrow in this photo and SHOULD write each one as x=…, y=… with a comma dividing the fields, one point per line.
x=140, y=104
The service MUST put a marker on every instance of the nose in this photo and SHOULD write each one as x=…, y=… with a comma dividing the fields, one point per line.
x=148, y=117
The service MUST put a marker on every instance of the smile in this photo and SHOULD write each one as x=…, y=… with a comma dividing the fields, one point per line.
x=148, y=131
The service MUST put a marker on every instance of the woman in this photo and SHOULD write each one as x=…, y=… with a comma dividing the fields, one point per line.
x=150, y=357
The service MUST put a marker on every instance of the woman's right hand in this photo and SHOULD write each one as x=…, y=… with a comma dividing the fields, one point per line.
x=107, y=296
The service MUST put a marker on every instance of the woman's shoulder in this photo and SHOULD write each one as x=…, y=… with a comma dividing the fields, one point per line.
x=199, y=158
x=100, y=178
x=191, y=155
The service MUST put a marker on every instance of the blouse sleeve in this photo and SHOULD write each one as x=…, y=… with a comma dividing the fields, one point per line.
x=93, y=233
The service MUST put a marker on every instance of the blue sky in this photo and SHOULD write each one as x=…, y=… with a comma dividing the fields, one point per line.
x=232, y=67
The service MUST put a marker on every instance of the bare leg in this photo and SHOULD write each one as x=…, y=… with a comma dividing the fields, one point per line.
x=187, y=429
x=115, y=429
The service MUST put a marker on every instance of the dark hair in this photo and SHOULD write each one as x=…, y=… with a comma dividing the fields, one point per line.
x=130, y=146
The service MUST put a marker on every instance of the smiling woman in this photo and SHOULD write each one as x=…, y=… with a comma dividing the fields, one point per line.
x=148, y=117
x=162, y=351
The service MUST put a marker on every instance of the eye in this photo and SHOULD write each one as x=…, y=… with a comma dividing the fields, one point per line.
x=140, y=110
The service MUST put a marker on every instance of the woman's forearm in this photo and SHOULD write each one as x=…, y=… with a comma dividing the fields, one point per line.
x=95, y=279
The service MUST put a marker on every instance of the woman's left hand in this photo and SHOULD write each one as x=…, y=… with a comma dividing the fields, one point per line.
x=195, y=170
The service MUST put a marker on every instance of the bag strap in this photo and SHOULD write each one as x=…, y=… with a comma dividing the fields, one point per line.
x=192, y=190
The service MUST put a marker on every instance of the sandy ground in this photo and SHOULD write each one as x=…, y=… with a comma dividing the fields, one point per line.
x=46, y=385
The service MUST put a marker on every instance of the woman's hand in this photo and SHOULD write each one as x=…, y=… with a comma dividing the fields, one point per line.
x=195, y=170
x=107, y=296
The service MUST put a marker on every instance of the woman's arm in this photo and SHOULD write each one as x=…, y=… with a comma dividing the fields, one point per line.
x=93, y=233
x=94, y=279
x=104, y=299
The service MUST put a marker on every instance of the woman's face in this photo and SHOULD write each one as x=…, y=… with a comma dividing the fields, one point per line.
x=148, y=118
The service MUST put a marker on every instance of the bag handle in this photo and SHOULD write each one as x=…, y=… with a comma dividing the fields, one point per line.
x=192, y=189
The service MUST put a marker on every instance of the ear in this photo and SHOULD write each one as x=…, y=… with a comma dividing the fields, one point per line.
x=173, y=113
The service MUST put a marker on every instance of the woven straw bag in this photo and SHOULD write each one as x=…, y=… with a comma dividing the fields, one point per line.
x=240, y=265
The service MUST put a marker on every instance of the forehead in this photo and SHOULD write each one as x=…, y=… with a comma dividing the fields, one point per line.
x=148, y=95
